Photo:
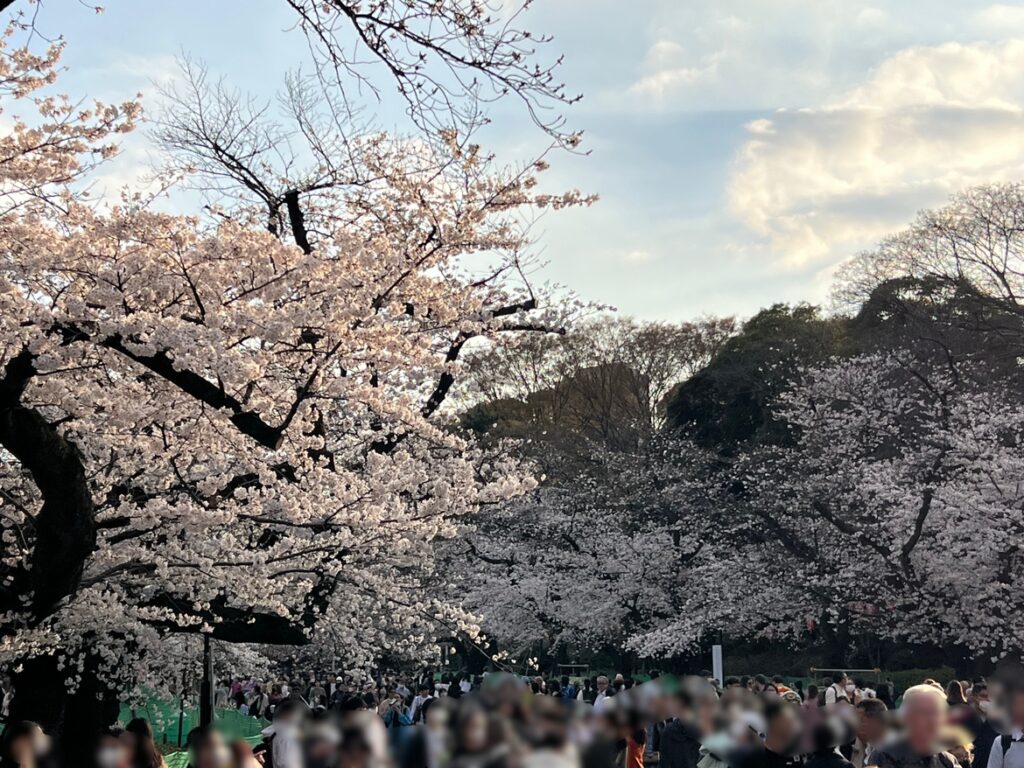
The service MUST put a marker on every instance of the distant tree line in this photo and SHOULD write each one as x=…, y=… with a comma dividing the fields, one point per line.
x=810, y=477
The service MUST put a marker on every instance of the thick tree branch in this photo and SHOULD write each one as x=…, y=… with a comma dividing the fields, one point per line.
x=232, y=624
x=248, y=422
x=65, y=530
x=298, y=221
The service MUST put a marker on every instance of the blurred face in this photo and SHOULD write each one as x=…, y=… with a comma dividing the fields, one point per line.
x=213, y=753
x=870, y=729
x=784, y=731
x=322, y=742
x=923, y=717
x=474, y=732
x=1017, y=708
x=707, y=709
x=33, y=744
x=602, y=683
x=437, y=718
x=111, y=753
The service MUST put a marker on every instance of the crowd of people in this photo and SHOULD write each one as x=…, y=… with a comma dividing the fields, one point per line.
x=502, y=720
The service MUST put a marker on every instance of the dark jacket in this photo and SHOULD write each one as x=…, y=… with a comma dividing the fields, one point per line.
x=985, y=735
x=765, y=758
x=829, y=759
x=898, y=754
x=679, y=745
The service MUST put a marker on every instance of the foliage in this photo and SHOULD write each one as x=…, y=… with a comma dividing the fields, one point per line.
x=608, y=381
x=729, y=404
x=227, y=424
x=844, y=476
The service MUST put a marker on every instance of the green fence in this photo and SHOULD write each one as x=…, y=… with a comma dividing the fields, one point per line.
x=171, y=724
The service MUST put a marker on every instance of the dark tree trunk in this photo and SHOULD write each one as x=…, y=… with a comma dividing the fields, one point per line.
x=64, y=537
x=42, y=696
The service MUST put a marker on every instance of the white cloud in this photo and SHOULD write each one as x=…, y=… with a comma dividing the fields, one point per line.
x=761, y=125
x=1000, y=20
x=761, y=53
x=666, y=77
x=637, y=257
x=819, y=182
x=871, y=17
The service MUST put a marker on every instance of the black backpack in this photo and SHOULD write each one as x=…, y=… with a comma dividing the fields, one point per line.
x=1005, y=741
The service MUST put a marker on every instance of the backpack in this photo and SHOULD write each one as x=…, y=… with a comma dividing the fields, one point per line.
x=1005, y=741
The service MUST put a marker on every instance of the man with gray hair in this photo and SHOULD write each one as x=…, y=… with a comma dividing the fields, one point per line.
x=602, y=693
x=924, y=715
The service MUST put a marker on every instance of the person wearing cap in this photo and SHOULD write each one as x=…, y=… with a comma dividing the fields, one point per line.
x=980, y=722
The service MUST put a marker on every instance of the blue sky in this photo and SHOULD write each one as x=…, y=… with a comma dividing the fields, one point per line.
x=741, y=148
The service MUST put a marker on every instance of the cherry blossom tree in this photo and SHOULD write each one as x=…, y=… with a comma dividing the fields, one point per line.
x=896, y=510
x=448, y=59
x=595, y=556
x=215, y=424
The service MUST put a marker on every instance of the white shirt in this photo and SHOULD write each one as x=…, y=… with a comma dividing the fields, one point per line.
x=834, y=693
x=599, y=701
x=286, y=749
x=861, y=754
x=416, y=704
x=1014, y=757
